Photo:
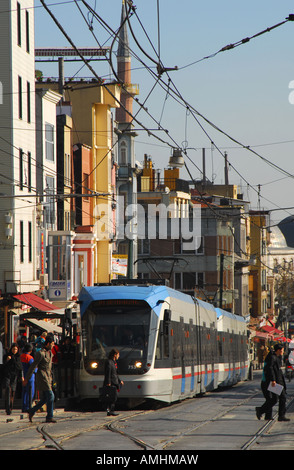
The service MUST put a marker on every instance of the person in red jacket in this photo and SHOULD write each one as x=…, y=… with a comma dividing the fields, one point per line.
x=28, y=392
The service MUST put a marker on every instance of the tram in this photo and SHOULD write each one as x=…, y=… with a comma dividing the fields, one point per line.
x=172, y=346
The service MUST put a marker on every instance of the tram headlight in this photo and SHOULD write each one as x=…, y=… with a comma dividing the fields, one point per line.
x=138, y=364
x=94, y=365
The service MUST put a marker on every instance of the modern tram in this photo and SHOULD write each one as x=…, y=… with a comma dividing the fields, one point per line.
x=172, y=346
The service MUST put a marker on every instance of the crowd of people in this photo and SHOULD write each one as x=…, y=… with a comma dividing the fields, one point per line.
x=30, y=364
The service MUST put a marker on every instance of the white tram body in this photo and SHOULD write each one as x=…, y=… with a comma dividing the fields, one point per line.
x=172, y=346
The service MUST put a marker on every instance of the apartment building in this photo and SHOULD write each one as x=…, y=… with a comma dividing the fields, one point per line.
x=17, y=148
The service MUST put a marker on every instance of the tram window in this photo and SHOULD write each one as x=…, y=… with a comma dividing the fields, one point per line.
x=220, y=347
x=125, y=328
x=162, y=346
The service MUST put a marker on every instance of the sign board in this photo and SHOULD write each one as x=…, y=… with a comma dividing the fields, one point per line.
x=119, y=265
x=59, y=290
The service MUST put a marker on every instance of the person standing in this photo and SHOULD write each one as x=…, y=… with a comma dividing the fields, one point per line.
x=273, y=374
x=11, y=373
x=111, y=379
x=43, y=361
x=28, y=392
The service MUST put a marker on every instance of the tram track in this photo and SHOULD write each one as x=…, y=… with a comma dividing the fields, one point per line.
x=133, y=427
x=164, y=444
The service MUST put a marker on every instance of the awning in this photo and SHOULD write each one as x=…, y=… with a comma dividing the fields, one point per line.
x=259, y=334
x=45, y=325
x=272, y=330
x=35, y=302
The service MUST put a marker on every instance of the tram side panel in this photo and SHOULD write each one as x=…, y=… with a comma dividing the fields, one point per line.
x=232, y=348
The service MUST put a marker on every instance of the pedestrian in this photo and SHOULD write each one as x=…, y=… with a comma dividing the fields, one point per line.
x=40, y=341
x=272, y=374
x=12, y=371
x=28, y=391
x=43, y=361
x=111, y=379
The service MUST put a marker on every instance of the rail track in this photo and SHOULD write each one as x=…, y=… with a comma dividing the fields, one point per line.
x=135, y=426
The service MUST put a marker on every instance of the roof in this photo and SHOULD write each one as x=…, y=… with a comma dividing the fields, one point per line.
x=287, y=228
x=150, y=294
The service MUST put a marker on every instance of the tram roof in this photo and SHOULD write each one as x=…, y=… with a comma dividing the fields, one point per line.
x=220, y=312
x=150, y=294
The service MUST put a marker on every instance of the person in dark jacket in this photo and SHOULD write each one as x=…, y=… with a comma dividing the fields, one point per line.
x=43, y=361
x=272, y=373
x=111, y=379
x=11, y=373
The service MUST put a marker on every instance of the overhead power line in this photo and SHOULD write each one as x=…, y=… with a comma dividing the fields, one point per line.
x=240, y=43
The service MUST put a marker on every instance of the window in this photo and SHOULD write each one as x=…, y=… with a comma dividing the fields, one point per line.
x=29, y=101
x=18, y=10
x=29, y=182
x=50, y=205
x=19, y=97
x=49, y=141
x=21, y=169
x=187, y=281
x=30, y=241
x=179, y=248
x=67, y=170
x=21, y=242
x=143, y=246
x=28, y=31
x=123, y=153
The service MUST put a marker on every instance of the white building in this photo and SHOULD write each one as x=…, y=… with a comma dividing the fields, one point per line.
x=17, y=148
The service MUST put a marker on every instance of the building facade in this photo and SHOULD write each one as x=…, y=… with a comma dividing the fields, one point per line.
x=18, y=270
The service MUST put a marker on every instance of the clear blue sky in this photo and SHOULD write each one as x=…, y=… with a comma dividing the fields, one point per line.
x=244, y=91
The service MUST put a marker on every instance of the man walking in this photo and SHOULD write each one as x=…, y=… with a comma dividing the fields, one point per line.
x=273, y=374
x=43, y=361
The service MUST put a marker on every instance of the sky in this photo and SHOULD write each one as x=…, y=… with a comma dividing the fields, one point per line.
x=239, y=98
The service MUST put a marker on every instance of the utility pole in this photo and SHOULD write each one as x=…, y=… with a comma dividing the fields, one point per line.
x=226, y=170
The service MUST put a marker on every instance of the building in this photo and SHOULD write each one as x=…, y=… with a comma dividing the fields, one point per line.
x=217, y=268
x=259, y=240
x=84, y=242
x=66, y=207
x=127, y=167
x=91, y=104
x=18, y=271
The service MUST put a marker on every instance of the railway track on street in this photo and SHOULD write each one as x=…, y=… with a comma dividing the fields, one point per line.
x=219, y=420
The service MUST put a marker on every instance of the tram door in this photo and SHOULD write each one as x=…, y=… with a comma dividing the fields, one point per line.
x=182, y=329
x=192, y=358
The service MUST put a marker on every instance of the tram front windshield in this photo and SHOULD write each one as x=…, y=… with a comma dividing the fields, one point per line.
x=123, y=325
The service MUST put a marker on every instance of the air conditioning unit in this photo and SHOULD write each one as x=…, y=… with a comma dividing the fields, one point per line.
x=43, y=280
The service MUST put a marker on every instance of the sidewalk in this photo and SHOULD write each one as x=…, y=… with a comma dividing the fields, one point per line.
x=280, y=435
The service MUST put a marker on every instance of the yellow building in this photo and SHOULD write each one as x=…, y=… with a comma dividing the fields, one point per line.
x=258, y=269
x=92, y=119
x=93, y=126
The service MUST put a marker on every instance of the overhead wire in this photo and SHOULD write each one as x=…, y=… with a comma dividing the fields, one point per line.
x=186, y=104
x=188, y=107
x=240, y=43
x=169, y=90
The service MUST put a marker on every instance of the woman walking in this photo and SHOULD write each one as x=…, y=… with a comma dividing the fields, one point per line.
x=111, y=379
x=11, y=373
